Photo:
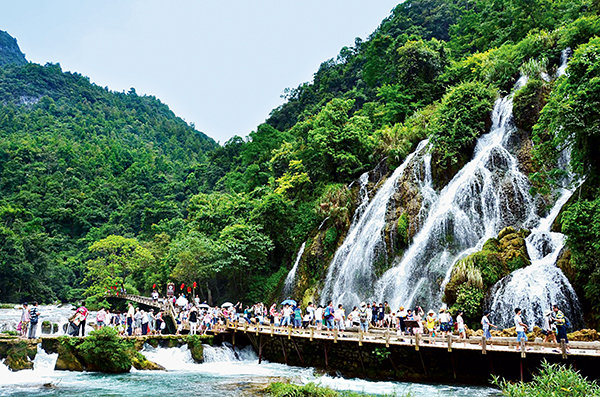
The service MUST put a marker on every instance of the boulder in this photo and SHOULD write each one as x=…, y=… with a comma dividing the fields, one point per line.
x=143, y=364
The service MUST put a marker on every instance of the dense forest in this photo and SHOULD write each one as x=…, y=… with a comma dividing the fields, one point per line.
x=100, y=188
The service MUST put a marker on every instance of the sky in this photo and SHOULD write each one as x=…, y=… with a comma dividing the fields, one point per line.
x=222, y=65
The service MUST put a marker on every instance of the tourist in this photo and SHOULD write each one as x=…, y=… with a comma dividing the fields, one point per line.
x=486, y=324
x=75, y=323
x=137, y=322
x=430, y=322
x=354, y=317
x=319, y=317
x=520, y=327
x=460, y=325
x=155, y=296
x=339, y=317
x=159, y=322
x=24, y=320
x=297, y=317
x=84, y=314
x=145, y=322
x=380, y=315
x=272, y=313
x=34, y=316
x=374, y=311
x=549, y=328
x=387, y=311
x=401, y=319
x=363, y=316
x=286, y=316
x=130, y=316
x=193, y=320
x=100, y=317
x=560, y=321
x=445, y=321
x=310, y=310
x=328, y=315
x=306, y=320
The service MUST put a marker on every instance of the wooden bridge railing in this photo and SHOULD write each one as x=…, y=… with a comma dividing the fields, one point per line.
x=389, y=337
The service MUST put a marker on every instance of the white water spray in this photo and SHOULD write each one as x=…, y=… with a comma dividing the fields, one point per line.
x=288, y=286
x=350, y=276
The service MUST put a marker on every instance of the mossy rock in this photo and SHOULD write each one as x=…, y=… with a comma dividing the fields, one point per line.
x=67, y=359
x=141, y=363
x=19, y=355
x=528, y=103
x=195, y=344
x=584, y=335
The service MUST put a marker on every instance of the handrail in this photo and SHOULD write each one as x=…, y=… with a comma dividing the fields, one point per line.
x=391, y=338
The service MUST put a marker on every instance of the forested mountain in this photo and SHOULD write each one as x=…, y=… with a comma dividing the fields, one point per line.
x=78, y=163
x=101, y=188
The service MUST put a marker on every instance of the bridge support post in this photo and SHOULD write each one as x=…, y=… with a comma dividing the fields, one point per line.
x=483, y=345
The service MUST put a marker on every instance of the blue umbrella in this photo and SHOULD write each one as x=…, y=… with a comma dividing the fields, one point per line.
x=290, y=302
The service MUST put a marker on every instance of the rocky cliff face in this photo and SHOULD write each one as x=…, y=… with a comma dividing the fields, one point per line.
x=10, y=53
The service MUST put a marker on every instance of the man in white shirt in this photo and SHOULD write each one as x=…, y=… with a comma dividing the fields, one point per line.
x=520, y=327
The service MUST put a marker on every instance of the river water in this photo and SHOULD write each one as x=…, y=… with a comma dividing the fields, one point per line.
x=225, y=373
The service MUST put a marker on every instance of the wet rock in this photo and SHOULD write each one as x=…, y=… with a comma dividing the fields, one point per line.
x=140, y=362
x=67, y=360
x=18, y=354
x=584, y=335
x=564, y=263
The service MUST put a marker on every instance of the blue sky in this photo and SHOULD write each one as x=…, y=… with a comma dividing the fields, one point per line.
x=219, y=64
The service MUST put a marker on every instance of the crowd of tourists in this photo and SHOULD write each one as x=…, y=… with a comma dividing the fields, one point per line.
x=199, y=318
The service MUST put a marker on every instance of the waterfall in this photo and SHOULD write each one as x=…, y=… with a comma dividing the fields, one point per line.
x=288, y=286
x=351, y=275
x=363, y=193
x=180, y=358
x=226, y=353
x=537, y=287
x=44, y=363
x=486, y=195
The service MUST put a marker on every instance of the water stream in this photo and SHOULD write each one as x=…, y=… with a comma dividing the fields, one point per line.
x=351, y=276
x=224, y=373
x=288, y=286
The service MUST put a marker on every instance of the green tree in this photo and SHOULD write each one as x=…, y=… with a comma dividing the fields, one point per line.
x=114, y=260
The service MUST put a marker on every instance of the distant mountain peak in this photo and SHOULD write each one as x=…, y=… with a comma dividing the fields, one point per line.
x=10, y=53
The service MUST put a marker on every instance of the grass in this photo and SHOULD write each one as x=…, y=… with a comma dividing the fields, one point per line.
x=279, y=389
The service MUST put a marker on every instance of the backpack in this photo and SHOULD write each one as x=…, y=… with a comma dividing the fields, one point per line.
x=363, y=315
x=328, y=313
x=34, y=315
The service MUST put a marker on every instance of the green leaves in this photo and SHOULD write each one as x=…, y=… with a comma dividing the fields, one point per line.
x=114, y=259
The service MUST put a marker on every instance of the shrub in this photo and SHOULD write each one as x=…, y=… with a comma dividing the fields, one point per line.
x=553, y=380
x=106, y=351
x=462, y=116
x=529, y=101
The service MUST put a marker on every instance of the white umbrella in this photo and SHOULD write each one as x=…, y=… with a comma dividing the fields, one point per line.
x=204, y=306
x=227, y=304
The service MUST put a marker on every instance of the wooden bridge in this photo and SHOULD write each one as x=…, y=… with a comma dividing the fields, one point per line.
x=387, y=337
x=396, y=356
x=164, y=305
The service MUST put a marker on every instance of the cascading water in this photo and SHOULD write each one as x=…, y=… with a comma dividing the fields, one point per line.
x=351, y=275
x=487, y=194
x=288, y=286
x=537, y=287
